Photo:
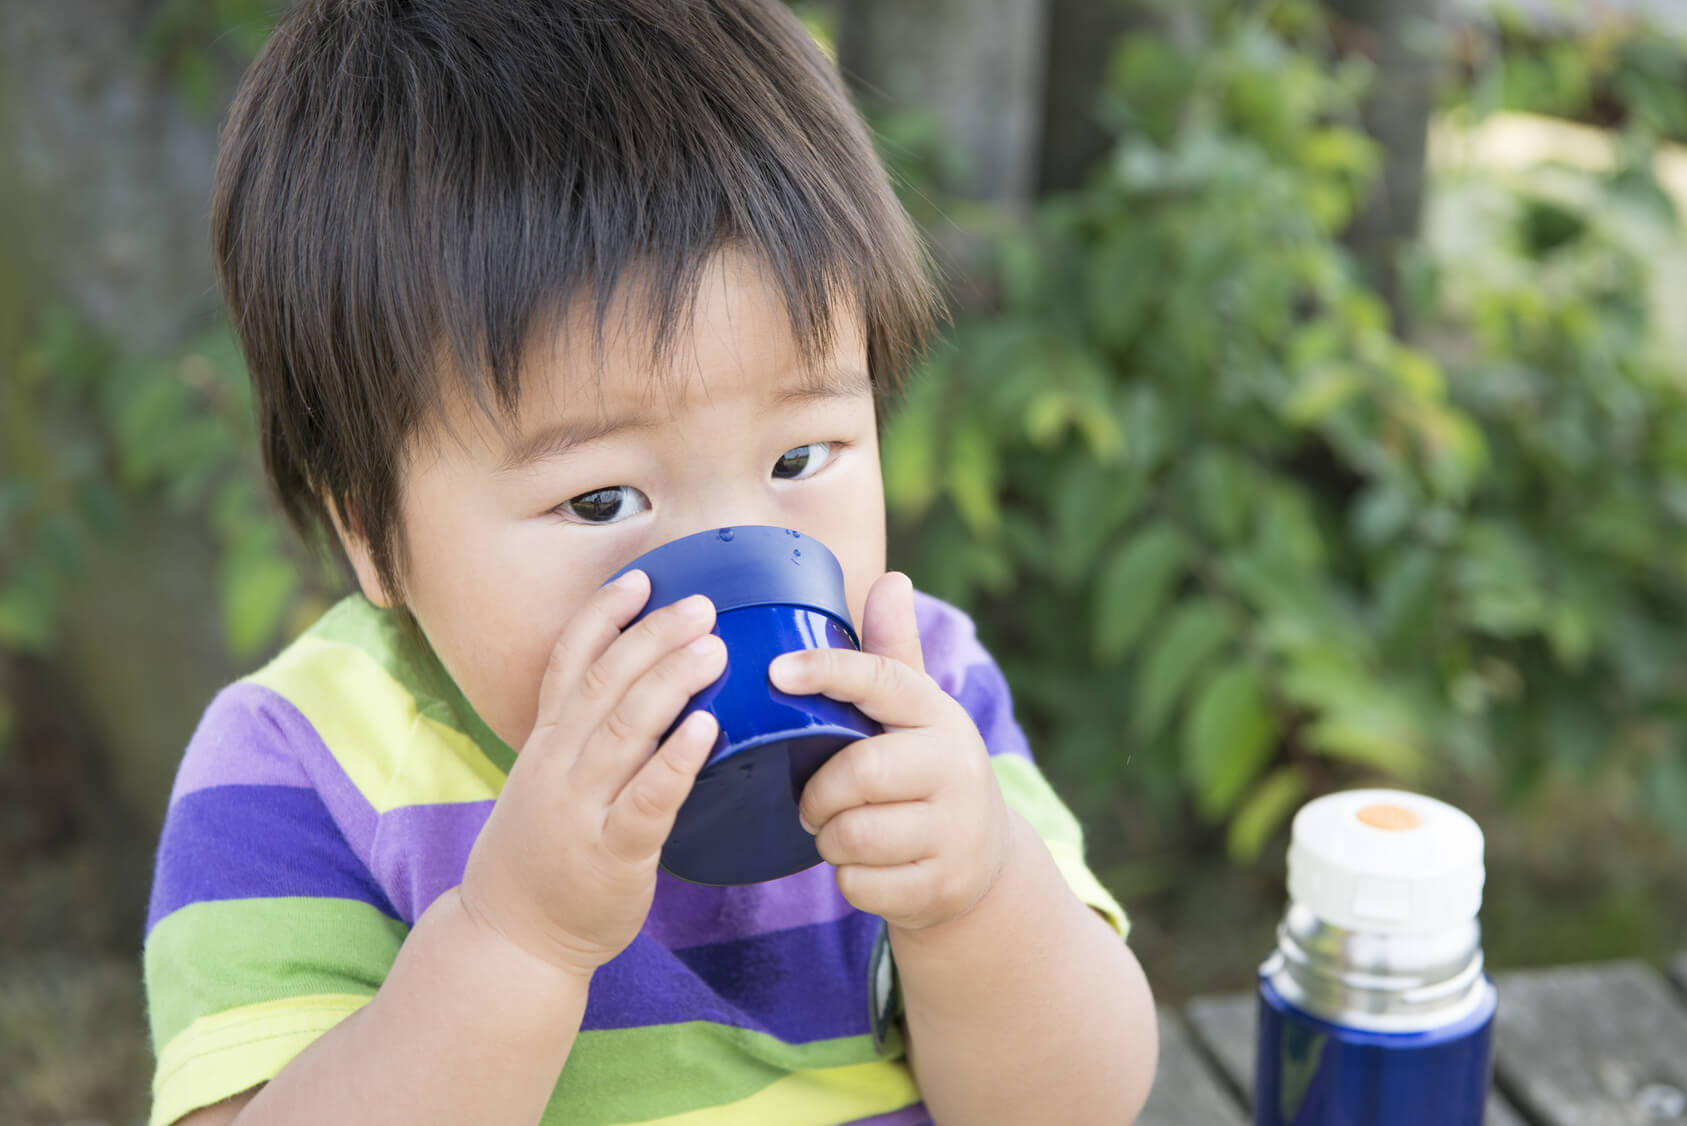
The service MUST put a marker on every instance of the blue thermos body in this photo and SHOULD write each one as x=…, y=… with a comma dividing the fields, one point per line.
x=1375, y=1009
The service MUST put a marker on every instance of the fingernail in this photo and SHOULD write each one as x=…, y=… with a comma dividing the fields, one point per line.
x=806, y=827
x=696, y=606
x=705, y=645
x=629, y=580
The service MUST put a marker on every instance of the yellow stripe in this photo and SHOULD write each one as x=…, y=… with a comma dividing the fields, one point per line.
x=1029, y=794
x=371, y=726
x=229, y=1052
x=1086, y=887
x=820, y=1097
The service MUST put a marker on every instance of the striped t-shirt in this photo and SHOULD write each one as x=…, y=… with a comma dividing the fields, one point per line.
x=325, y=801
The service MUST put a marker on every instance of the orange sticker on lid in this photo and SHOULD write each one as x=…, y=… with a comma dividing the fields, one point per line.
x=1391, y=817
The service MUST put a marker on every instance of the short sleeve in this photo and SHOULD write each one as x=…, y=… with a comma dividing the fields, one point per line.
x=960, y=664
x=266, y=927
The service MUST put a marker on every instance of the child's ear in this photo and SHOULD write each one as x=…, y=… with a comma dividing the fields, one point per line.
x=356, y=546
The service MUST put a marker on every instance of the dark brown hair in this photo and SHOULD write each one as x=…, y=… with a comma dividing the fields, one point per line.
x=407, y=189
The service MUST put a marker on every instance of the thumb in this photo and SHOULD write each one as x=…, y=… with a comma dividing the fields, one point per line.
x=887, y=621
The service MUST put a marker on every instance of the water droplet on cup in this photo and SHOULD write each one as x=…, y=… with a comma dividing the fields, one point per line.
x=796, y=555
x=793, y=534
x=725, y=535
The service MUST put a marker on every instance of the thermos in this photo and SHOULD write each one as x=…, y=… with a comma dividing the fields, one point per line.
x=1375, y=1010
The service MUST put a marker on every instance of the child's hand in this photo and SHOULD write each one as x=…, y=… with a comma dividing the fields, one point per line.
x=566, y=865
x=913, y=819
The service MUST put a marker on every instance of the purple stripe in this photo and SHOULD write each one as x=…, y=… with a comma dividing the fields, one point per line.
x=255, y=842
x=965, y=670
x=800, y=985
x=690, y=914
x=984, y=695
x=252, y=736
x=948, y=642
x=249, y=736
x=915, y=1115
x=420, y=850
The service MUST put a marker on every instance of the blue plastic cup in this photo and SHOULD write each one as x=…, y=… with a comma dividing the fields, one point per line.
x=775, y=591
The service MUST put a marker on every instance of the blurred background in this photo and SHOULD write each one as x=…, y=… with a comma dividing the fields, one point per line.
x=1313, y=414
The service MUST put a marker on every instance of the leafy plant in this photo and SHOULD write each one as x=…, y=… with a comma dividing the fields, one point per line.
x=1233, y=539
x=90, y=432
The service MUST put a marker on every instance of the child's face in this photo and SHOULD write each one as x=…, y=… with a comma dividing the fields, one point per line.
x=501, y=549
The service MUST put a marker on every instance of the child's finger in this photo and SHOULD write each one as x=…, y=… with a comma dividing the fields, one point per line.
x=592, y=630
x=877, y=771
x=622, y=742
x=602, y=683
x=901, y=894
x=888, y=627
x=643, y=812
x=878, y=835
x=887, y=690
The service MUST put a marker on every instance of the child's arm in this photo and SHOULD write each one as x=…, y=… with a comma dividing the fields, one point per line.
x=467, y=1027
x=1022, y=1004
x=482, y=1005
x=1029, y=1008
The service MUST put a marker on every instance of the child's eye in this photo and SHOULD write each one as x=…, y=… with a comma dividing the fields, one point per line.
x=606, y=506
x=803, y=461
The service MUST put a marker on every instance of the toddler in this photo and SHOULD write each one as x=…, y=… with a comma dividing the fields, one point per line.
x=526, y=288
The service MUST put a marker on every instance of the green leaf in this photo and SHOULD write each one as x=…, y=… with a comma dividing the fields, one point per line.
x=1151, y=428
x=1221, y=490
x=1277, y=796
x=1122, y=284
x=1090, y=505
x=1101, y=430
x=1352, y=740
x=1323, y=391
x=972, y=479
x=1666, y=793
x=1381, y=513
x=1337, y=149
x=1197, y=630
x=1286, y=527
x=1499, y=575
x=1418, y=374
x=1133, y=585
x=1228, y=737
x=257, y=587
x=908, y=450
x=28, y=609
x=1046, y=416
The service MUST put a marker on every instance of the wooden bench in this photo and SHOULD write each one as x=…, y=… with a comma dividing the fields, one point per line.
x=1594, y=1045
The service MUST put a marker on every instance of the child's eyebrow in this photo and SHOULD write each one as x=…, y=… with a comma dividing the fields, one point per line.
x=828, y=383
x=558, y=438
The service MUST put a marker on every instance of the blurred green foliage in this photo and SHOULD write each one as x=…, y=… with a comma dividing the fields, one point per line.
x=1618, y=73
x=1233, y=539
x=89, y=433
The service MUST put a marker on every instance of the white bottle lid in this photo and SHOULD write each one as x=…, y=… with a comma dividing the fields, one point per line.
x=1386, y=860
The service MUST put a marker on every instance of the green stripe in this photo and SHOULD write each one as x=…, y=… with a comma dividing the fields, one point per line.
x=357, y=621
x=221, y=954
x=1029, y=793
x=218, y=955
x=607, y=1077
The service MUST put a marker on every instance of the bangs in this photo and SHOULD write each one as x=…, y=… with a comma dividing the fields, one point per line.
x=403, y=184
